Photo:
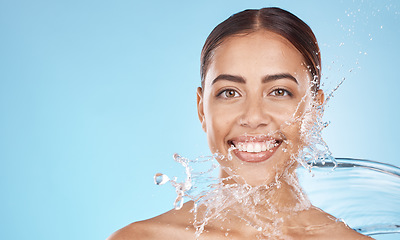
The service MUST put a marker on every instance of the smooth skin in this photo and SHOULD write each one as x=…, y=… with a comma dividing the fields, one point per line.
x=255, y=107
x=240, y=98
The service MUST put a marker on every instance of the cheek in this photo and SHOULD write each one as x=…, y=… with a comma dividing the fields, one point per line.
x=286, y=112
x=296, y=111
x=297, y=128
x=219, y=117
x=216, y=130
x=289, y=120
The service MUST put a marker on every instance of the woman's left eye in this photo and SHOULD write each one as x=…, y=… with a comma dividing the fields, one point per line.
x=280, y=92
x=229, y=93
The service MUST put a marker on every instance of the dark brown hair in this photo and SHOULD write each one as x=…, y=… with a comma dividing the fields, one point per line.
x=274, y=20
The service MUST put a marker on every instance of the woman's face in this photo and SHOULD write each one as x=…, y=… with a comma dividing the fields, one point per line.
x=256, y=91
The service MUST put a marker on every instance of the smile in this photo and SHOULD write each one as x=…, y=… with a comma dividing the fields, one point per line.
x=254, y=148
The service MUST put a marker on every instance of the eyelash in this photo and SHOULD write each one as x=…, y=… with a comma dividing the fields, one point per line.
x=285, y=92
x=220, y=94
x=288, y=93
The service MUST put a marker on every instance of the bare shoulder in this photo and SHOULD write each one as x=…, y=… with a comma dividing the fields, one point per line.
x=342, y=231
x=136, y=230
x=174, y=224
x=331, y=228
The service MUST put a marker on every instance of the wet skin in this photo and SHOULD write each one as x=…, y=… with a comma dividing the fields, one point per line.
x=255, y=84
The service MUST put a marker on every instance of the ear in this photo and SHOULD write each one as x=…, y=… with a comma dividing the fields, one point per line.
x=200, y=108
x=320, y=98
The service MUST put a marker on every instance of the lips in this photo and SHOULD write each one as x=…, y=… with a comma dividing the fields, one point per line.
x=255, y=146
x=254, y=149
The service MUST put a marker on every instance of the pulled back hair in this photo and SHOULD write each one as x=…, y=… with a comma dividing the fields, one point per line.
x=275, y=20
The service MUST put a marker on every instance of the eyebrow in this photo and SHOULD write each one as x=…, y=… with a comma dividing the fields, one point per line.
x=228, y=77
x=268, y=78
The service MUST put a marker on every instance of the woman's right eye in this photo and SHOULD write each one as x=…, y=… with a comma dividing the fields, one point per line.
x=228, y=93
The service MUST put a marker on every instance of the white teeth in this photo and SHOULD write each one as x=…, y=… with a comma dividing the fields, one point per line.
x=264, y=147
x=240, y=147
x=256, y=146
x=250, y=147
x=244, y=147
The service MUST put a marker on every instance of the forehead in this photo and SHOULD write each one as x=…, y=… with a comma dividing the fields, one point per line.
x=255, y=55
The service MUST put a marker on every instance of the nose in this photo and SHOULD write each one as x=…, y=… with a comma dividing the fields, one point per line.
x=254, y=115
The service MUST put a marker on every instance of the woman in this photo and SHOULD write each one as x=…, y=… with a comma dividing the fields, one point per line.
x=258, y=101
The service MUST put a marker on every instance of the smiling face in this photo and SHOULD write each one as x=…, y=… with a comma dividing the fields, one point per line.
x=256, y=91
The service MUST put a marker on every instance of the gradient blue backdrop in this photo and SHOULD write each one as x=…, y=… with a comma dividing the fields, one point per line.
x=96, y=96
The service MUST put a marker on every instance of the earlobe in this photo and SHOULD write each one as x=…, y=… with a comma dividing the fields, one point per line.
x=320, y=97
x=200, y=108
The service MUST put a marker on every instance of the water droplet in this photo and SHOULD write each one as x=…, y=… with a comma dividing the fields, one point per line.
x=178, y=202
x=339, y=220
x=160, y=178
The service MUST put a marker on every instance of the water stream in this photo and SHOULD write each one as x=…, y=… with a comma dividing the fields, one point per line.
x=365, y=193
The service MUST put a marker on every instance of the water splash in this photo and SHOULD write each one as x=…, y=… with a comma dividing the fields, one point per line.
x=160, y=179
x=369, y=193
x=180, y=187
x=217, y=199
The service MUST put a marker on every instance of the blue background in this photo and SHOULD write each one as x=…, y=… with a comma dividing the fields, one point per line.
x=96, y=96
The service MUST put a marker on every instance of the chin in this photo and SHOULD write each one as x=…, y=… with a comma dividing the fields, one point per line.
x=259, y=173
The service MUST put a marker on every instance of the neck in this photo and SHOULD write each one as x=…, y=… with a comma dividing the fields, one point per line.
x=257, y=206
x=279, y=198
x=282, y=193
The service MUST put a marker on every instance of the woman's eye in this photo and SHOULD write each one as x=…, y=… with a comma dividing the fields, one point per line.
x=280, y=93
x=229, y=93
